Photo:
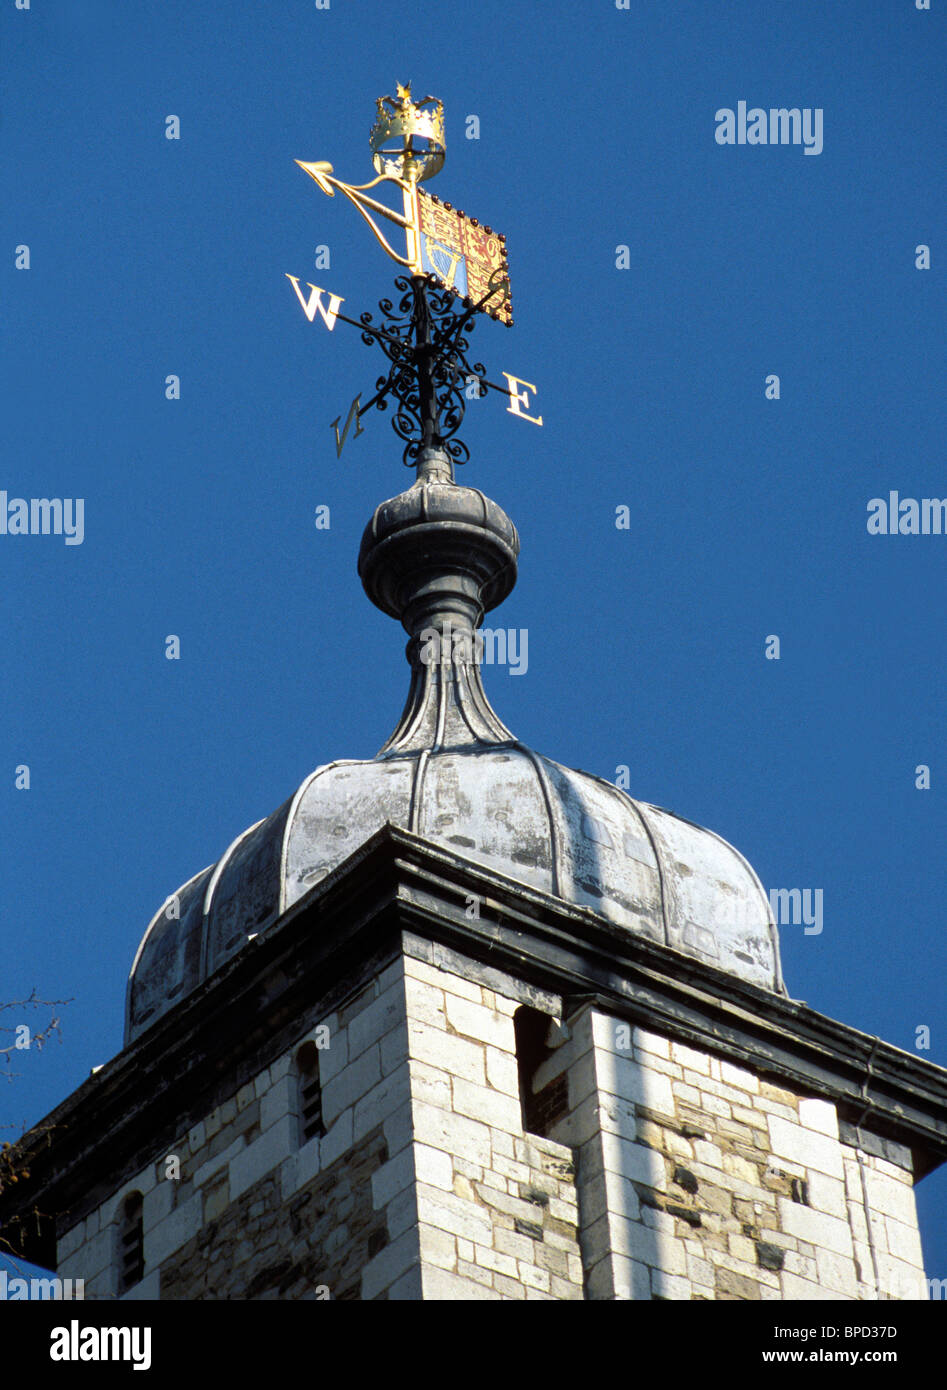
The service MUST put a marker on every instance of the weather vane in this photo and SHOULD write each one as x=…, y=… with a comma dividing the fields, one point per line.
x=451, y=260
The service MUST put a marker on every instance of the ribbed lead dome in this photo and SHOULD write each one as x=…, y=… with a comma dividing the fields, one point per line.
x=439, y=556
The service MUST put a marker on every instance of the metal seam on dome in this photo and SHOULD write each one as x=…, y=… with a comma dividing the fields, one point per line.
x=481, y=701
x=417, y=783
x=412, y=723
x=754, y=877
x=659, y=863
x=144, y=941
x=536, y=759
x=770, y=921
x=291, y=817
x=441, y=718
x=209, y=894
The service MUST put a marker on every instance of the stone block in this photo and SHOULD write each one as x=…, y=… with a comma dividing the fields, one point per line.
x=398, y=1128
x=351, y=1083
x=837, y=1272
x=147, y=1289
x=425, y=1004
x=380, y=1102
x=333, y=1058
x=402, y=1212
x=795, y=1288
x=213, y=1166
x=94, y=1258
x=495, y=1260
x=382, y=1016
x=903, y=1242
x=455, y=1134
x=490, y=1107
x=502, y=1072
x=336, y=1140
x=806, y=1146
x=630, y=1280
x=430, y=1084
x=631, y=1161
x=451, y=1213
x=533, y=1277
x=501, y=1142
x=735, y=1285
x=481, y=1024
x=458, y=1056
x=739, y=1077
x=216, y=1198
x=819, y=1115
x=441, y=1286
x=511, y=1242
x=393, y=1048
x=433, y=1166
x=468, y=1270
x=742, y=1249
x=713, y=1105
x=392, y=1177
x=277, y=1102
x=708, y=1154
x=513, y=1205
x=635, y=1081
x=698, y=1062
x=262, y=1156
x=438, y=1248
x=174, y=1231
x=827, y=1194
x=157, y=1205
x=651, y=1042
x=408, y=1288
x=390, y=1263
x=891, y=1197
x=442, y=979
x=824, y=1232
x=802, y=1265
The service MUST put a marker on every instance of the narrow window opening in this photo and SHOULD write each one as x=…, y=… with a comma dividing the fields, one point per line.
x=131, y=1245
x=310, y=1093
x=542, y=1102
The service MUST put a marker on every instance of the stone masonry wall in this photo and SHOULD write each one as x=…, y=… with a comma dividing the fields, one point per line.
x=671, y=1174
x=497, y=1208
x=423, y=1186
x=253, y=1210
x=699, y=1180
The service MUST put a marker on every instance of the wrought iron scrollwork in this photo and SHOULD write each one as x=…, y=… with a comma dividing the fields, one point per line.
x=427, y=341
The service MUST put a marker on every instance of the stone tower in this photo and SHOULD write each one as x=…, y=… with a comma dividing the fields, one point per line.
x=458, y=1022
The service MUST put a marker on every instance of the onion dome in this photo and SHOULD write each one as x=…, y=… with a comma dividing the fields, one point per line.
x=438, y=557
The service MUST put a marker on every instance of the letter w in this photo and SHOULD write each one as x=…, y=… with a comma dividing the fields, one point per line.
x=314, y=305
x=352, y=415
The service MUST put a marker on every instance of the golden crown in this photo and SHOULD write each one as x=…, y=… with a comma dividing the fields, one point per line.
x=413, y=132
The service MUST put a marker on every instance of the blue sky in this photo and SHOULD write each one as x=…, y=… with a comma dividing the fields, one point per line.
x=151, y=257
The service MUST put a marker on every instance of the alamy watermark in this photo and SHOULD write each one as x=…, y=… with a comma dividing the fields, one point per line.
x=791, y=907
x=43, y=516
x=907, y=516
x=492, y=646
x=777, y=125
x=19, y=1288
